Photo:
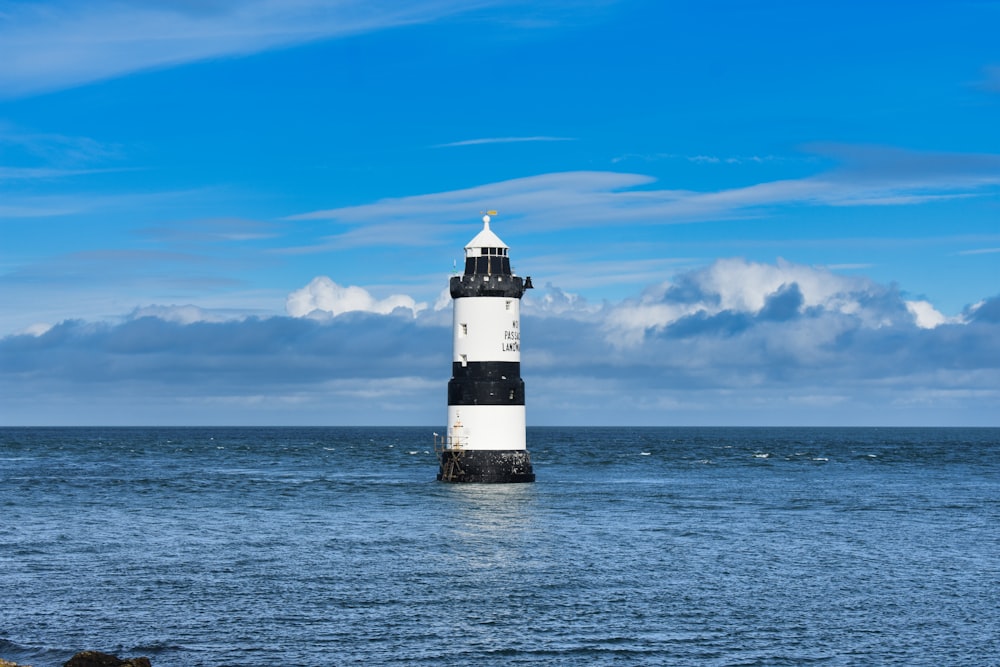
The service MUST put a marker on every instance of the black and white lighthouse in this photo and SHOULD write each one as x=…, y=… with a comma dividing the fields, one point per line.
x=485, y=438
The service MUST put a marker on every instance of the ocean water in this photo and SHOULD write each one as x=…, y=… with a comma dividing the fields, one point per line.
x=636, y=546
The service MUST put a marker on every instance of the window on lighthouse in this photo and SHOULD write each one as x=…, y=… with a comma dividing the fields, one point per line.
x=465, y=329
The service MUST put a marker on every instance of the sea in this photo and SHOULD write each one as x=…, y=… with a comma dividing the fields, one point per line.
x=635, y=546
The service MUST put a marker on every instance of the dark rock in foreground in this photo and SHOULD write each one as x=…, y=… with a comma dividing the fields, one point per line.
x=98, y=659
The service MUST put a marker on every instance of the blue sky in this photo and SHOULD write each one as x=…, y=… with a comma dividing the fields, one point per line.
x=733, y=213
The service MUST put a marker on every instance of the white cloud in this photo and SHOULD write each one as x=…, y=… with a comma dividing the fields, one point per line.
x=185, y=314
x=443, y=300
x=744, y=286
x=325, y=296
x=925, y=315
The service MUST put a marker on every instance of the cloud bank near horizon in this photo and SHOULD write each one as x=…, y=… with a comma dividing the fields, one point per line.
x=734, y=342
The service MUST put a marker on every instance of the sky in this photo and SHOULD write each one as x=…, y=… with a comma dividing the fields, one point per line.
x=733, y=213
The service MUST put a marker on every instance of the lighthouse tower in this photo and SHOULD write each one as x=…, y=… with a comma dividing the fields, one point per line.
x=485, y=439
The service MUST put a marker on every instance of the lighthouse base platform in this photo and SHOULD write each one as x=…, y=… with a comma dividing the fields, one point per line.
x=489, y=466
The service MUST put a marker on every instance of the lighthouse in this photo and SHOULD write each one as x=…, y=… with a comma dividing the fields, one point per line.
x=485, y=437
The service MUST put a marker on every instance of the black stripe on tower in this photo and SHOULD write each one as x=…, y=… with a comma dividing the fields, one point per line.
x=487, y=285
x=486, y=465
x=486, y=383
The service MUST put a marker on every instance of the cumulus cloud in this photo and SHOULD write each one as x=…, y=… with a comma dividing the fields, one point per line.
x=555, y=301
x=733, y=292
x=443, y=300
x=322, y=295
x=925, y=315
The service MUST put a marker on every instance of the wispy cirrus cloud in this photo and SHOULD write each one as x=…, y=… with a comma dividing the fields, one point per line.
x=43, y=173
x=212, y=230
x=39, y=207
x=702, y=158
x=50, y=46
x=39, y=157
x=54, y=150
x=43, y=206
x=501, y=140
x=864, y=176
x=533, y=195
x=991, y=79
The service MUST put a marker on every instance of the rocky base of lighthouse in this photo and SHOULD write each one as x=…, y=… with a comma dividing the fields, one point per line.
x=485, y=465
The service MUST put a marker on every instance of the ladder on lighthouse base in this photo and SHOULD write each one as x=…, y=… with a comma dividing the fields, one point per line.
x=450, y=450
x=450, y=465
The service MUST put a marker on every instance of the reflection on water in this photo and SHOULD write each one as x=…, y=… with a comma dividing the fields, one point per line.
x=488, y=525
